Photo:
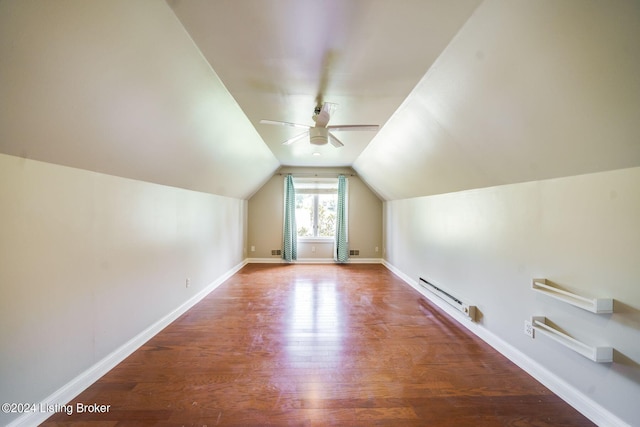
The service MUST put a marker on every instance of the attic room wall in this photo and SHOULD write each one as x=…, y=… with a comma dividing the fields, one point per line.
x=265, y=220
x=485, y=246
x=90, y=260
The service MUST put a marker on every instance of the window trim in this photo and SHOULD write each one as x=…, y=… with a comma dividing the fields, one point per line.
x=311, y=239
x=322, y=186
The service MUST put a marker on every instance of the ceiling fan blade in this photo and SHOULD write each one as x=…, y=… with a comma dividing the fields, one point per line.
x=275, y=122
x=353, y=127
x=335, y=141
x=295, y=138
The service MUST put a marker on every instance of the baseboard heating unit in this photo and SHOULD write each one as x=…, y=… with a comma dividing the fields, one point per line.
x=466, y=309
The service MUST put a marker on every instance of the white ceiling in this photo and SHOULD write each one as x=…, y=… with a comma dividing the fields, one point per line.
x=469, y=93
x=527, y=90
x=118, y=87
x=275, y=56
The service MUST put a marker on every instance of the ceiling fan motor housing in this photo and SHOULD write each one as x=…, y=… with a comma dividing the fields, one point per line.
x=318, y=135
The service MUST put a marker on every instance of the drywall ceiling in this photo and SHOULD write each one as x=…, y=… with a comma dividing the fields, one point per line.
x=469, y=94
x=527, y=90
x=275, y=56
x=118, y=87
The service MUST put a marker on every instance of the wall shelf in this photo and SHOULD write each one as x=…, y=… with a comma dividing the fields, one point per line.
x=594, y=305
x=597, y=354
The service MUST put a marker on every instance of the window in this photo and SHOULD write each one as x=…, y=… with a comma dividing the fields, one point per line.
x=316, y=203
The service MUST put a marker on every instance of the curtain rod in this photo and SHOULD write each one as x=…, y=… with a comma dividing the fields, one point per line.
x=313, y=174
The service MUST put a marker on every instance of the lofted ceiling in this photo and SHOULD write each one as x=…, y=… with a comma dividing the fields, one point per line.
x=526, y=91
x=118, y=87
x=468, y=93
x=277, y=56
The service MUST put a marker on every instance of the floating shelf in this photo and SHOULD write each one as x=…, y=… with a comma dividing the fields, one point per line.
x=594, y=305
x=597, y=354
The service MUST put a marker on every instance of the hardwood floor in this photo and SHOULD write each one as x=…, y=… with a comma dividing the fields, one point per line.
x=318, y=345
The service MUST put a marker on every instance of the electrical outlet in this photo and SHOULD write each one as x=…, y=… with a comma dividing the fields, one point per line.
x=187, y=283
x=528, y=329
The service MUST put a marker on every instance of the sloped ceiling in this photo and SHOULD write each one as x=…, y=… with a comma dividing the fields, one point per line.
x=277, y=56
x=527, y=90
x=469, y=94
x=118, y=87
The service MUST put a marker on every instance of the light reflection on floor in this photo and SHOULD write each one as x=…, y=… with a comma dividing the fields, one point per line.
x=315, y=330
x=315, y=315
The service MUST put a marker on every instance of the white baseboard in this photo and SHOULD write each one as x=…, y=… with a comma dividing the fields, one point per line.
x=73, y=388
x=365, y=261
x=265, y=261
x=564, y=390
x=578, y=400
x=313, y=261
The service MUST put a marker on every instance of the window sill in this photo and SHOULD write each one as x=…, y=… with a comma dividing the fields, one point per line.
x=315, y=239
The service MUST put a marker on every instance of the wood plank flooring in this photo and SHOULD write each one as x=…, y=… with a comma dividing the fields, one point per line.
x=318, y=345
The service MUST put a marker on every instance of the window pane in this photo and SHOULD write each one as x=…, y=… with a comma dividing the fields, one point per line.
x=327, y=215
x=304, y=215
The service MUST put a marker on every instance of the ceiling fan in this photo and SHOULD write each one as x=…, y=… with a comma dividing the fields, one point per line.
x=320, y=133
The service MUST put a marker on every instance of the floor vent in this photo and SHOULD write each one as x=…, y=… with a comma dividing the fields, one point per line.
x=354, y=252
x=276, y=252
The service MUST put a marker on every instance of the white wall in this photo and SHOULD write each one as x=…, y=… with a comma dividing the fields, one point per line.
x=582, y=232
x=88, y=261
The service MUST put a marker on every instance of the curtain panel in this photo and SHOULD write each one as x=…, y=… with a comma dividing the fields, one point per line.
x=289, y=229
x=341, y=238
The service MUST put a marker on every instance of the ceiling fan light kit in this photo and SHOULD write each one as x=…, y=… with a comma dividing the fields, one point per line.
x=318, y=136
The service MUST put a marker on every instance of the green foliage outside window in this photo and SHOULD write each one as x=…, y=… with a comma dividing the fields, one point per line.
x=306, y=205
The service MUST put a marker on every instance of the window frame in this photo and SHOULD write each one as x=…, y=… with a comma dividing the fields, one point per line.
x=316, y=187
